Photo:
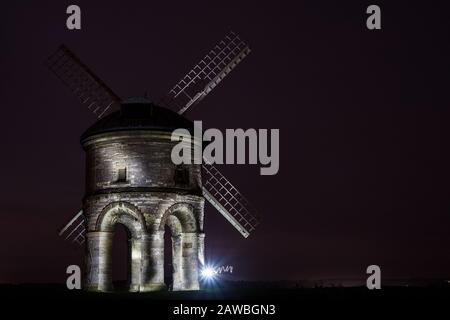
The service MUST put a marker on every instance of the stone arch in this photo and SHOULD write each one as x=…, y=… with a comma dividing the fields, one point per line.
x=124, y=213
x=100, y=242
x=182, y=222
x=174, y=224
x=184, y=214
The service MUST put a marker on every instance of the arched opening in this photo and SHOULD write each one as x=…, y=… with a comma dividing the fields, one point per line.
x=118, y=250
x=121, y=258
x=168, y=266
x=180, y=228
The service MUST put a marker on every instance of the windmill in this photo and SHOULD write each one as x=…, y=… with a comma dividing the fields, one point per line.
x=189, y=91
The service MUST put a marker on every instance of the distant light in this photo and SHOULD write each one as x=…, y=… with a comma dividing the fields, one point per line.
x=208, y=273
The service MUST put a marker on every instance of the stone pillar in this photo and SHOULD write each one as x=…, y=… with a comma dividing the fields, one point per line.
x=177, y=276
x=99, y=261
x=201, y=249
x=139, y=264
x=189, y=261
x=154, y=273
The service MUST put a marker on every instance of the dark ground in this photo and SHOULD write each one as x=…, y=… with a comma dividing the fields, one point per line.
x=290, y=303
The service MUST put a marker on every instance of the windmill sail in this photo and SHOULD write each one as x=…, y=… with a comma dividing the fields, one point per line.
x=207, y=74
x=89, y=88
x=75, y=229
x=195, y=85
x=221, y=193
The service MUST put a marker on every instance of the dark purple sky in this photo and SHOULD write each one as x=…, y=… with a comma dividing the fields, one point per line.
x=363, y=119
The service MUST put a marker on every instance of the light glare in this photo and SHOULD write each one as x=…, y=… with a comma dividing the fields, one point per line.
x=208, y=273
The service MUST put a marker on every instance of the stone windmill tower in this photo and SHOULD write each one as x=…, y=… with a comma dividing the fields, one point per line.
x=131, y=179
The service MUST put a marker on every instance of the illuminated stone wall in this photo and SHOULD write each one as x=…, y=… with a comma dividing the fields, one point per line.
x=144, y=198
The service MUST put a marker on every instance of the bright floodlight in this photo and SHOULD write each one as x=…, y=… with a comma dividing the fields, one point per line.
x=208, y=273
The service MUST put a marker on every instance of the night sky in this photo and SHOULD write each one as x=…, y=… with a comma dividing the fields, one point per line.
x=363, y=118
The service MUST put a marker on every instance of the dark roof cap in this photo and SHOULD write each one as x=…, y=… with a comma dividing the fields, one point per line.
x=139, y=114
